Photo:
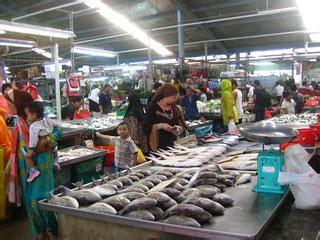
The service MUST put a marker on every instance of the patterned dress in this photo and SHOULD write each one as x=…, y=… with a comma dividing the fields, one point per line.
x=136, y=133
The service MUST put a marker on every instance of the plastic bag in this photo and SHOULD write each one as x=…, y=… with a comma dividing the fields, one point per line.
x=303, y=181
x=232, y=128
x=141, y=158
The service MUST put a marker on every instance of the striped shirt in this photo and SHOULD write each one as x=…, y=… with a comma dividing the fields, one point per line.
x=124, y=151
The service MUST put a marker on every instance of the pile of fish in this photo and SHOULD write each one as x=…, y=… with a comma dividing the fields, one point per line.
x=295, y=119
x=187, y=197
x=69, y=154
x=243, y=162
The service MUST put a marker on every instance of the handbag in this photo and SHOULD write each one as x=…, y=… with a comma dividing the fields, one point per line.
x=189, y=138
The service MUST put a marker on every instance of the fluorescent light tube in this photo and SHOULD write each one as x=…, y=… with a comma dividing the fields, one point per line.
x=34, y=30
x=44, y=53
x=16, y=43
x=126, y=25
x=93, y=51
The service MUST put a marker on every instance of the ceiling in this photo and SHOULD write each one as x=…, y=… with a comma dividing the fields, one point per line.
x=151, y=14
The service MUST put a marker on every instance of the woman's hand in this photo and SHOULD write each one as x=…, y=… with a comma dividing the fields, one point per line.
x=164, y=126
x=99, y=135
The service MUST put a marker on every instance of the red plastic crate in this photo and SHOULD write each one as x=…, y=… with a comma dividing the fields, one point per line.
x=109, y=157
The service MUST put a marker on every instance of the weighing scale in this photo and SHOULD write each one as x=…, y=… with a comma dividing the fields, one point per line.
x=270, y=162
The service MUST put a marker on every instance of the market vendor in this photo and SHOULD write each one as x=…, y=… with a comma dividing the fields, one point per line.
x=288, y=105
x=156, y=86
x=189, y=103
x=94, y=101
x=228, y=108
x=163, y=120
x=105, y=105
x=68, y=111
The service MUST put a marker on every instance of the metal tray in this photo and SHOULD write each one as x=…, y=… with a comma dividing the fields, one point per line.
x=99, y=153
x=69, y=132
x=267, y=133
x=247, y=219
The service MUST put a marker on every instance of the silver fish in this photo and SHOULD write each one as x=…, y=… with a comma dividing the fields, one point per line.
x=244, y=178
x=182, y=221
x=101, y=208
x=118, y=202
x=141, y=214
x=83, y=196
x=64, y=201
x=139, y=204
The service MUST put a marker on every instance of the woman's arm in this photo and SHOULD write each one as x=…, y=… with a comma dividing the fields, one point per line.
x=103, y=136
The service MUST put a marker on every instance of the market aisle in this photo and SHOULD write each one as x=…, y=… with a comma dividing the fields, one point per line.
x=16, y=228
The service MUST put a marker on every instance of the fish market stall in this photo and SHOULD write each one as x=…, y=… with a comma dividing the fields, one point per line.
x=168, y=199
x=294, y=120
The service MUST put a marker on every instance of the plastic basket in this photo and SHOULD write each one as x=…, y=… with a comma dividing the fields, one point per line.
x=201, y=131
x=84, y=171
x=109, y=157
x=121, y=113
x=63, y=177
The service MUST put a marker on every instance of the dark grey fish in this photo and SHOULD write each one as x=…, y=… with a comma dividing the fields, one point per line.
x=206, y=192
x=177, y=186
x=161, y=177
x=184, y=176
x=223, y=199
x=182, y=181
x=184, y=209
x=144, y=172
x=101, y=208
x=156, y=212
x=133, y=178
x=172, y=170
x=189, y=191
x=141, y=214
x=182, y=221
x=159, y=196
x=207, y=174
x=221, y=186
x=171, y=192
x=207, y=204
x=134, y=195
x=118, y=202
x=227, y=182
x=166, y=205
x=83, y=196
x=139, y=185
x=205, y=181
x=180, y=198
x=208, y=187
x=139, y=204
x=131, y=189
x=117, y=183
x=166, y=173
x=139, y=175
x=125, y=181
x=154, y=180
x=203, y=217
x=147, y=183
x=229, y=176
x=64, y=201
x=220, y=177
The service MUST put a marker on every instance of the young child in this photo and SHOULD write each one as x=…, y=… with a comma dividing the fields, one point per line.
x=288, y=105
x=126, y=151
x=39, y=127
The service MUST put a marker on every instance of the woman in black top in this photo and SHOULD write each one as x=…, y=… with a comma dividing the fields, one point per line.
x=163, y=120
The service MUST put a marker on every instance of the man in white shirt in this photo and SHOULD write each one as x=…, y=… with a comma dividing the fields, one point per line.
x=94, y=102
x=288, y=105
x=278, y=91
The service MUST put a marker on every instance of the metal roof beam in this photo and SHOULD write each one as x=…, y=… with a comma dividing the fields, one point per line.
x=207, y=31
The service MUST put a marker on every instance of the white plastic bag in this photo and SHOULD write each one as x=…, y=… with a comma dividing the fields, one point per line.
x=303, y=181
x=232, y=128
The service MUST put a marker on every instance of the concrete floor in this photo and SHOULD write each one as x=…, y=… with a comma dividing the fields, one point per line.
x=288, y=224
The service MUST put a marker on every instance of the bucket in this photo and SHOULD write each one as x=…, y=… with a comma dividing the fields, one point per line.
x=310, y=136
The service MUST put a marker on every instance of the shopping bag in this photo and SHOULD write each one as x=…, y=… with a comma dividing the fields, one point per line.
x=232, y=128
x=141, y=158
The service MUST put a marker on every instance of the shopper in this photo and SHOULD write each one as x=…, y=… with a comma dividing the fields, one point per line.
x=278, y=91
x=228, y=108
x=163, y=120
x=261, y=100
x=298, y=98
x=94, y=102
x=134, y=119
x=5, y=139
x=250, y=90
x=41, y=187
x=68, y=111
x=126, y=151
x=156, y=86
x=237, y=96
x=105, y=105
x=288, y=105
x=39, y=128
x=189, y=103
x=5, y=88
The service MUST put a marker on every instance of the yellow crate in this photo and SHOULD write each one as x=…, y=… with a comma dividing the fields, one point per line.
x=2, y=187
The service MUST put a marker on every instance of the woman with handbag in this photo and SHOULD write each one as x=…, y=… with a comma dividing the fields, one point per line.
x=40, y=188
x=163, y=120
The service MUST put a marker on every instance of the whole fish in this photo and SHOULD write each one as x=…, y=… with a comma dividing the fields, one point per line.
x=166, y=205
x=171, y=192
x=64, y=201
x=211, y=206
x=244, y=178
x=189, y=191
x=184, y=209
x=139, y=204
x=180, y=198
x=156, y=212
x=159, y=196
x=221, y=186
x=141, y=214
x=154, y=180
x=116, y=183
x=101, y=208
x=131, y=189
x=147, y=183
x=125, y=181
x=139, y=185
x=182, y=181
x=227, y=182
x=177, y=186
x=134, y=195
x=234, y=173
x=83, y=196
x=144, y=172
x=206, y=181
x=182, y=221
x=161, y=177
x=184, y=176
x=203, y=217
x=223, y=199
x=172, y=170
x=118, y=202
x=240, y=165
x=207, y=174
x=206, y=192
x=166, y=173
x=138, y=174
x=134, y=178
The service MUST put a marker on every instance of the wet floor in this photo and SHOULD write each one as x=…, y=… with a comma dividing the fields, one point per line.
x=288, y=224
